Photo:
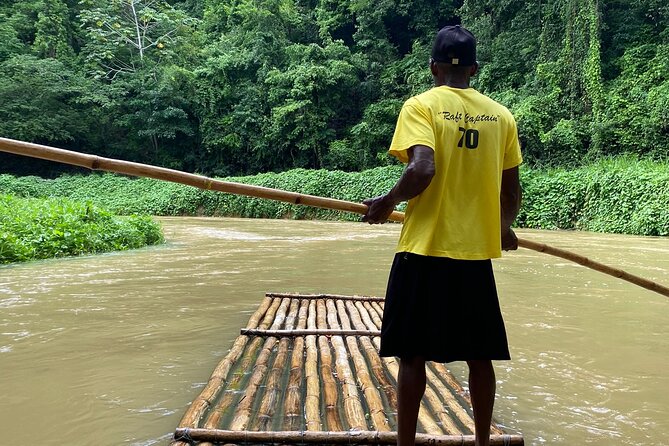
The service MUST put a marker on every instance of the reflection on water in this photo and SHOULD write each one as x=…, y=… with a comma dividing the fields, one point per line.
x=111, y=349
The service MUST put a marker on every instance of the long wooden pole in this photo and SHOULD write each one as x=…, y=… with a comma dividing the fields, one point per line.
x=348, y=437
x=94, y=162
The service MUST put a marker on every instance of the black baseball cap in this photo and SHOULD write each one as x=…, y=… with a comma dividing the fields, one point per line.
x=454, y=45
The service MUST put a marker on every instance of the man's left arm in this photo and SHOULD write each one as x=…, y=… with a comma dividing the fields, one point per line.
x=414, y=180
x=510, y=199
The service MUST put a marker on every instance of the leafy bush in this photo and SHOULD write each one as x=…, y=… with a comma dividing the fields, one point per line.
x=33, y=228
x=124, y=195
x=621, y=195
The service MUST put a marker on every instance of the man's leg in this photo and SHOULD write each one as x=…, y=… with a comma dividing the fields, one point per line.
x=411, y=387
x=482, y=391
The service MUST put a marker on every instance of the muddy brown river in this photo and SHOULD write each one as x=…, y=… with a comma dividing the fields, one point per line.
x=110, y=349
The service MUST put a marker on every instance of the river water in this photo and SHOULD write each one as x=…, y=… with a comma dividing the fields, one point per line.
x=111, y=349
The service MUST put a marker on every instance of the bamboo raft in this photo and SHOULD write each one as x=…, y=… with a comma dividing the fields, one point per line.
x=306, y=370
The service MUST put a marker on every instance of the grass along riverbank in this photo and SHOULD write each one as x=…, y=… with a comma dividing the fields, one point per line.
x=39, y=228
x=620, y=195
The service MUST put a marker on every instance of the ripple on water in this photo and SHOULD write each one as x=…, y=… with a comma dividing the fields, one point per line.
x=16, y=301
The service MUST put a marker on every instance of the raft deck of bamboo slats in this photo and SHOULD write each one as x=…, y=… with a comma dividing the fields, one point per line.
x=306, y=370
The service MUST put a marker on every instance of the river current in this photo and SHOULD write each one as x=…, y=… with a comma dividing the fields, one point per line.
x=111, y=349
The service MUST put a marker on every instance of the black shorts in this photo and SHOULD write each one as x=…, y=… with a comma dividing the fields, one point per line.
x=443, y=310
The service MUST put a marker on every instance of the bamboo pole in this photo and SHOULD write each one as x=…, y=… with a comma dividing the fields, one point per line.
x=355, y=311
x=330, y=392
x=307, y=332
x=597, y=266
x=326, y=296
x=352, y=402
x=332, y=438
x=242, y=415
x=273, y=392
x=377, y=411
x=229, y=397
x=220, y=374
x=292, y=418
x=94, y=162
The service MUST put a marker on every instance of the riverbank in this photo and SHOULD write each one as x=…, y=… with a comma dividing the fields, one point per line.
x=620, y=195
x=40, y=228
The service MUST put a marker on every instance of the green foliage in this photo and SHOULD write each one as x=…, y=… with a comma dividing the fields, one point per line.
x=308, y=100
x=237, y=87
x=51, y=33
x=42, y=101
x=32, y=229
x=124, y=195
x=621, y=195
x=9, y=39
x=124, y=36
x=637, y=116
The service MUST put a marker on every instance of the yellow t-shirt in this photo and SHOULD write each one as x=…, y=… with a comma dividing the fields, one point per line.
x=474, y=139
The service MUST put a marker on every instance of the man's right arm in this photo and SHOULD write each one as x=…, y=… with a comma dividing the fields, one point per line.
x=414, y=180
x=510, y=204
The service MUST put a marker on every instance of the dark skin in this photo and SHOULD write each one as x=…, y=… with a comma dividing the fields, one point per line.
x=414, y=180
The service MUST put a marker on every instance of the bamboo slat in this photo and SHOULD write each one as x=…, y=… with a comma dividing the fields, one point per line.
x=372, y=320
x=376, y=408
x=243, y=412
x=227, y=400
x=352, y=403
x=330, y=391
x=441, y=392
x=272, y=395
x=436, y=406
x=348, y=437
x=376, y=313
x=372, y=354
x=458, y=413
x=326, y=296
x=219, y=376
x=312, y=413
x=292, y=419
x=306, y=332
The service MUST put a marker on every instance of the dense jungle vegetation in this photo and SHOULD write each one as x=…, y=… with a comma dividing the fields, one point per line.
x=237, y=87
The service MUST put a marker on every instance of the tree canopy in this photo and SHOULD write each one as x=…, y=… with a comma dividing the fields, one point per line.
x=230, y=87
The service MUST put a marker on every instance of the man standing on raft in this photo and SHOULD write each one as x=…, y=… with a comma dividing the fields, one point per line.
x=461, y=180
